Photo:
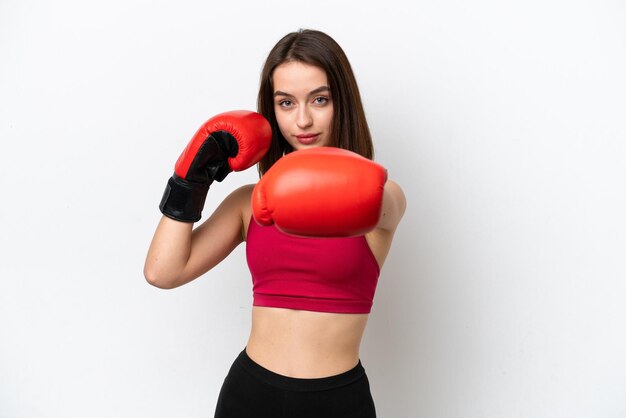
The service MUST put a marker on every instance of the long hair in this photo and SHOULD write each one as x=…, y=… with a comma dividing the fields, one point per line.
x=349, y=126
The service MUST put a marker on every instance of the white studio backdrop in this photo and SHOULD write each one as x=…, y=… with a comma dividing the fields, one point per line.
x=504, y=122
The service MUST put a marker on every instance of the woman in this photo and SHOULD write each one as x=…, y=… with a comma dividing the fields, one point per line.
x=302, y=356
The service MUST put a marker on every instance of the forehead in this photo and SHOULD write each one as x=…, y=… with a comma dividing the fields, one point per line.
x=295, y=76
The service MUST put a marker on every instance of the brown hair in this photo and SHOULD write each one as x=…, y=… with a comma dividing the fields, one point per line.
x=349, y=127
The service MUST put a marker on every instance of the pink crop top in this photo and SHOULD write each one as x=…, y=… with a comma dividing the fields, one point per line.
x=312, y=274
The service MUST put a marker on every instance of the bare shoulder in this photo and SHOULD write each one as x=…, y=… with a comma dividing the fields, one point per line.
x=241, y=195
x=229, y=214
x=237, y=202
x=394, y=206
x=240, y=200
x=396, y=191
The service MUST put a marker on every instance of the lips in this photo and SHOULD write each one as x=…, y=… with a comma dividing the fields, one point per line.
x=307, y=139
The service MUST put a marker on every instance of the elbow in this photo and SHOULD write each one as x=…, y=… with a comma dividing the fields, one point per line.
x=156, y=279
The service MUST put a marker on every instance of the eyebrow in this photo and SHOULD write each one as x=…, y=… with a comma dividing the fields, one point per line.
x=311, y=93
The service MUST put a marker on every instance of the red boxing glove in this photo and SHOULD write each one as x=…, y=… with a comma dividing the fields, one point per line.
x=243, y=136
x=229, y=141
x=321, y=192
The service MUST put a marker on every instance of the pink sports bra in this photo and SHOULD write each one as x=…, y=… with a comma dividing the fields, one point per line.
x=313, y=274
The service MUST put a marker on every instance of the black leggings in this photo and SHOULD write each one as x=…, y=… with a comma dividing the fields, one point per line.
x=251, y=391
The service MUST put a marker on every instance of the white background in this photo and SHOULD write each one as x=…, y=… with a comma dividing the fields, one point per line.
x=504, y=122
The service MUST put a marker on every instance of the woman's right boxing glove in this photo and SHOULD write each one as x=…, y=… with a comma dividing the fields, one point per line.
x=321, y=192
x=230, y=141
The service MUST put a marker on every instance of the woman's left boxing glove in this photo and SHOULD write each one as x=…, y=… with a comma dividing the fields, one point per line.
x=230, y=141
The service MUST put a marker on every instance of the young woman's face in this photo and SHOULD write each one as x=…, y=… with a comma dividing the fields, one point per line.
x=302, y=104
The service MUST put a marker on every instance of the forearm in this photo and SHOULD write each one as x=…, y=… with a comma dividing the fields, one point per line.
x=168, y=254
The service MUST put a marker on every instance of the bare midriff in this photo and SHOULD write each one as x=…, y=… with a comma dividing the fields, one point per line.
x=305, y=344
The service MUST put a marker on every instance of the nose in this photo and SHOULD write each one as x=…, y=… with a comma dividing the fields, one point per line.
x=304, y=117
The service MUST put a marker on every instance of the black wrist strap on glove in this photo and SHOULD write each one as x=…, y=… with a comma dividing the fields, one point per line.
x=183, y=200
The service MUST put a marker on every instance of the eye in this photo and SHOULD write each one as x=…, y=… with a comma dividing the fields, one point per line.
x=321, y=100
x=285, y=103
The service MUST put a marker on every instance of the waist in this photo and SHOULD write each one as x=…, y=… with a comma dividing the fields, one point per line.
x=299, y=384
x=305, y=344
